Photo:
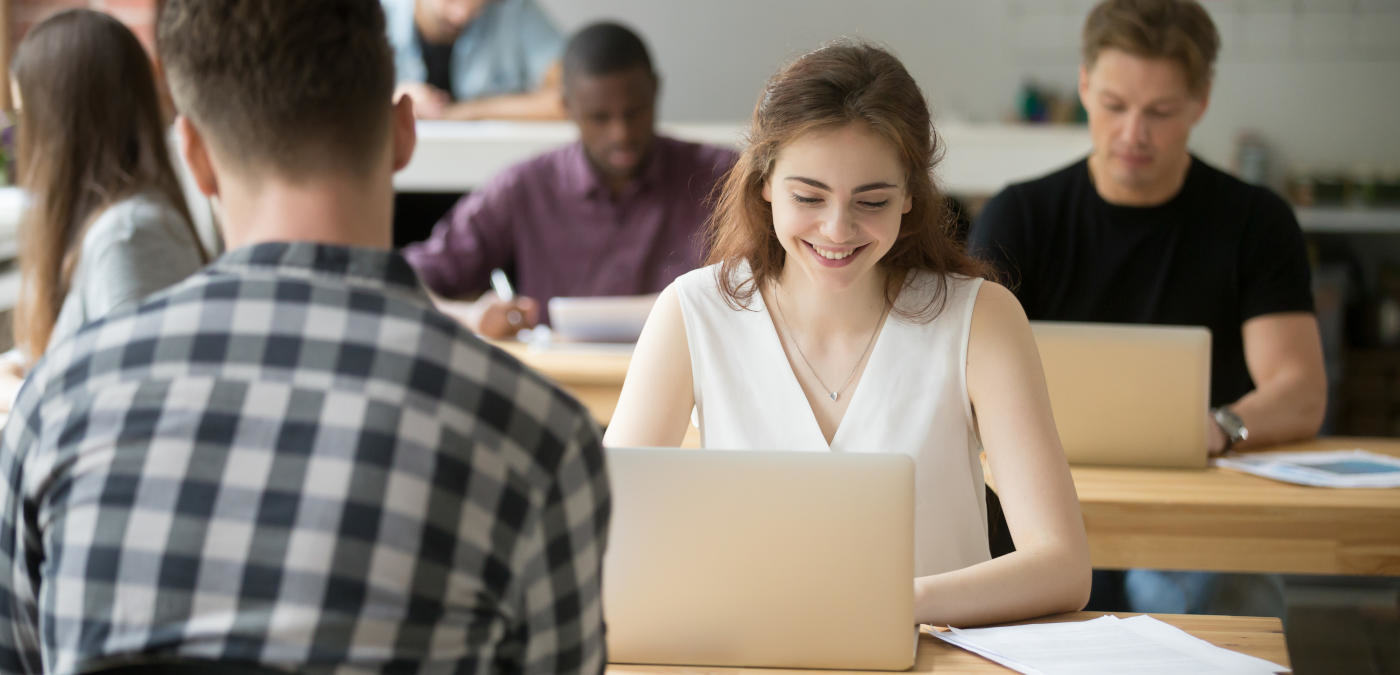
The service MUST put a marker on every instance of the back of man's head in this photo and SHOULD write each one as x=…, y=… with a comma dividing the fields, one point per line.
x=295, y=87
x=1176, y=30
x=604, y=48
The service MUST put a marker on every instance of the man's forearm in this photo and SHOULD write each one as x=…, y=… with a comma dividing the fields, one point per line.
x=1288, y=408
x=544, y=104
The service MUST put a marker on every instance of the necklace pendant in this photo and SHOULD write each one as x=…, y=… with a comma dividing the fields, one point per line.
x=835, y=395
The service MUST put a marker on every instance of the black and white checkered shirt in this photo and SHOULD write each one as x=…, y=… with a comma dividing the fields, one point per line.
x=292, y=459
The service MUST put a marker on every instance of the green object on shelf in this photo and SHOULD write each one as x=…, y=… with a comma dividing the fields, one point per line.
x=1387, y=191
x=1328, y=189
x=1032, y=104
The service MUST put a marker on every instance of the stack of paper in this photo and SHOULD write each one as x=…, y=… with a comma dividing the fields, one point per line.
x=1330, y=468
x=12, y=203
x=1140, y=645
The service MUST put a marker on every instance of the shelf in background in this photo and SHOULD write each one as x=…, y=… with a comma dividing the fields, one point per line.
x=979, y=159
x=1348, y=220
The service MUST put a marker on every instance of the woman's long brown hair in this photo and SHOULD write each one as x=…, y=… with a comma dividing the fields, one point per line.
x=839, y=84
x=90, y=134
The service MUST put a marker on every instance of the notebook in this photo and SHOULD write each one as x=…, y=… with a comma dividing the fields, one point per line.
x=600, y=319
x=1128, y=395
x=760, y=559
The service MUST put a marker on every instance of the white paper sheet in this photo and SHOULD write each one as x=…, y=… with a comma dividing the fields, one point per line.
x=1141, y=645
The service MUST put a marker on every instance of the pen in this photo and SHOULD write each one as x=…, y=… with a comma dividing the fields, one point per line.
x=501, y=284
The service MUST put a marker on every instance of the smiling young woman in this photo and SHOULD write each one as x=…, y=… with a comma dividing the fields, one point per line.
x=838, y=315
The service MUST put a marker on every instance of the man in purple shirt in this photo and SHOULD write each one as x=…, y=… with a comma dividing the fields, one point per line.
x=619, y=212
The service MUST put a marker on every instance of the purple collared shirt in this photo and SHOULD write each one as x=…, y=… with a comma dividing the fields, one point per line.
x=554, y=222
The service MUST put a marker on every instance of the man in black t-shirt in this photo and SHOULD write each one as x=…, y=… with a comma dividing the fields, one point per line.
x=1141, y=231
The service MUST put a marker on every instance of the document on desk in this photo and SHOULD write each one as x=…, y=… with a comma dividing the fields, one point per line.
x=1329, y=468
x=1141, y=645
x=543, y=339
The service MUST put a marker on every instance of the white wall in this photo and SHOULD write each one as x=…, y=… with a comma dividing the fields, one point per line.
x=1319, y=79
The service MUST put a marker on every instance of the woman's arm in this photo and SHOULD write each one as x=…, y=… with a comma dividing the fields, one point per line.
x=657, y=396
x=1049, y=571
x=12, y=372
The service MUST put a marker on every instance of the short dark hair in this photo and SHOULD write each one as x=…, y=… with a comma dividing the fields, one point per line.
x=1176, y=30
x=604, y=48
x=295, y=86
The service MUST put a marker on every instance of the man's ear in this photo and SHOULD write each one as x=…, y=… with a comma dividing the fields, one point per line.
x=405, y=132
x=196, y=155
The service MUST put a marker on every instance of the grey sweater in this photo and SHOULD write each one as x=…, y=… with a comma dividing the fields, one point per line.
x=136, y=247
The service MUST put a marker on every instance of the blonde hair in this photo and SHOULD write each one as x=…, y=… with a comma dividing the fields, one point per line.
x=1177, y=30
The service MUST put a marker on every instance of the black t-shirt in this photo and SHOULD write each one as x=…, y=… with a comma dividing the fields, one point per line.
x=437, y=58
x=1217, y=254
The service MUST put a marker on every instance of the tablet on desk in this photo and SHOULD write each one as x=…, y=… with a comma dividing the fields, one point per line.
x=599, y=319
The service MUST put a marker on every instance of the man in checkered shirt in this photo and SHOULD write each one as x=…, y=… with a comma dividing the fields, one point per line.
x=291, y=459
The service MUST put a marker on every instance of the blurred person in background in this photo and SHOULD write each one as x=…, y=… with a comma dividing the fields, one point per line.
x=476, y=59
x=617, y=213
x=1143, y=231
x=107, y=223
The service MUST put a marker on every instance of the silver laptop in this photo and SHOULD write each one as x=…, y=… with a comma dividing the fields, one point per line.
x=1128, y=395
x=777, y=559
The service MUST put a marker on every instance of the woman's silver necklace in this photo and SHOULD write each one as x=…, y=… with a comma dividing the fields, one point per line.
x=836, y=393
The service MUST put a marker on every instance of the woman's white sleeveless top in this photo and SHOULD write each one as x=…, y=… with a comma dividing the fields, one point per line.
x=912, y=399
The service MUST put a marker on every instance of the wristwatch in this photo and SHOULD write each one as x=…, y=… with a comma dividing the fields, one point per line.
x=1231, y=424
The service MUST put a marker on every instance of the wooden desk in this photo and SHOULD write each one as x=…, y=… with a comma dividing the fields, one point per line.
x=1261, y=637
x=1223, y=520
x=1211, y=519
x=593, y=376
